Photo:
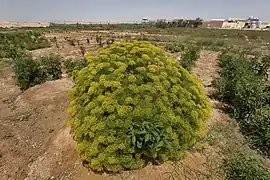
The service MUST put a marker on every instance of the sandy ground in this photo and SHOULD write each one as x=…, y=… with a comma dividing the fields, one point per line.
x=36, y=144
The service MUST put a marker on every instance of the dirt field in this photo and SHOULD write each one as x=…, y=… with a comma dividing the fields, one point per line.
x=36, y=144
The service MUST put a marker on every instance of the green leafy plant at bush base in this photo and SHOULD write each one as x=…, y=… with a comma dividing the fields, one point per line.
x=150, y=140
x=134, y=103
x=243, y=84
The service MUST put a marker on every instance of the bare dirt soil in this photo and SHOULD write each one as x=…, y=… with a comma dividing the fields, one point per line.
x=37, y=145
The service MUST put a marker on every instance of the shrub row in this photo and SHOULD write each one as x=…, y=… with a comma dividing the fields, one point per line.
x=12, y=41
x=245, y=165
x=30, y=72
x=244, y=85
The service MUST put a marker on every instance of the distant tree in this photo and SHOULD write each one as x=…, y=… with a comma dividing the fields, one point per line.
x=161, y=23
x=198, y=22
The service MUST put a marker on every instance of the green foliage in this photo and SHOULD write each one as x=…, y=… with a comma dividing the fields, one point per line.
x=176, y=46
x=243, y=84
x=245, y=166
x=134, y=103
x=27, y=72
x=212, y=44
x=13, y=44
x=151, y=140
x=190, y=52
x=163, y=23
x=30, y=72
x=11, y=52
x=74, y=66
x=29, y=40
x=51, y=67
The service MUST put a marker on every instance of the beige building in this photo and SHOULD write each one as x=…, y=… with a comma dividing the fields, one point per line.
x=225, y=23
x=217, y=23
x=265, y=26
x=234, y=23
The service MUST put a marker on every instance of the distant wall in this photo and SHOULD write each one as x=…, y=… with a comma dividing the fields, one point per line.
x=212, y=24
x=234, y=25
x=23, y=24
x=265, y=25
x=97, y=22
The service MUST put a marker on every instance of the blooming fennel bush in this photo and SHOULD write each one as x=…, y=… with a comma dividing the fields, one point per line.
x=133, y=104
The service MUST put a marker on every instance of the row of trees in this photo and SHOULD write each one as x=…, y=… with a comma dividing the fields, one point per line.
x=160, y=23
x=163, y=23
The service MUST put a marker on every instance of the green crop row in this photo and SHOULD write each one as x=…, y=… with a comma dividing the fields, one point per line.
x=12, y=42
x=244, y=85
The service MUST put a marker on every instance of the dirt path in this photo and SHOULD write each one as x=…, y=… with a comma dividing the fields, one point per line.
x=36, y=144
x=33, y=136
x=207, y=68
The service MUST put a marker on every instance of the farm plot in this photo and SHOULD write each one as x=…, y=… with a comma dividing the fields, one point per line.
x=37, y=143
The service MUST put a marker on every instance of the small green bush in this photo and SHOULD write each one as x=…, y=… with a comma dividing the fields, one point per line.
x=133, y=104
x=27, y=72
x=245, y=166
x=190, y=54
x=51, y=67
x=175, y=47
x=30, y=72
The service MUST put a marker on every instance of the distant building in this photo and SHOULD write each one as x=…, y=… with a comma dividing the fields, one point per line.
x=214, y=23
x=23, y=24
x=253, y=22
x=265, y=26
x=145, y=20
x=234, y=23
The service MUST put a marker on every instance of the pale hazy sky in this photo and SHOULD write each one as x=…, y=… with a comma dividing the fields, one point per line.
x=99, y=10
